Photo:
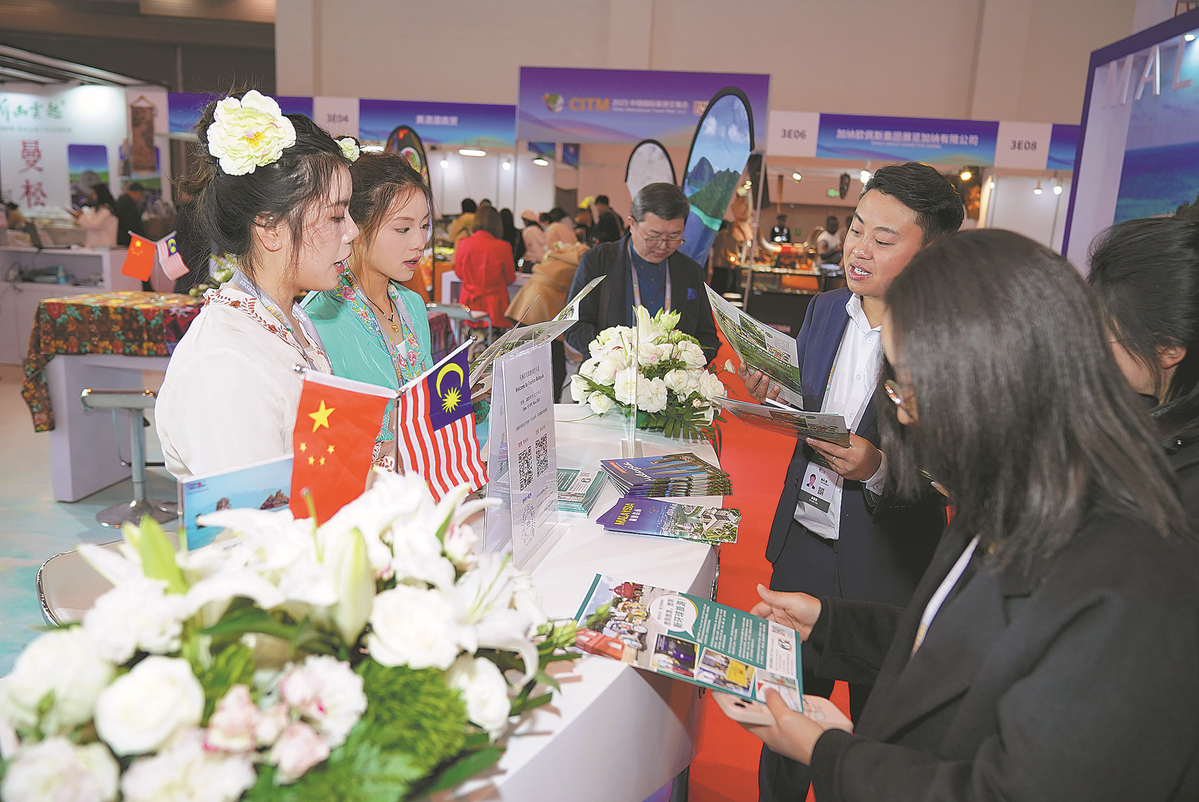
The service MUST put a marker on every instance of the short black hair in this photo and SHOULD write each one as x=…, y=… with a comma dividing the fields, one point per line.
x=468, y=206
x=135, y=187
x=831, y=224
x=665, y=200
x=918, y=186
x=602, y=199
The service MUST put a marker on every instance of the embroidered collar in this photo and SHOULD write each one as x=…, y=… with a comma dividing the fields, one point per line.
x=406, y=358
x=243, y=295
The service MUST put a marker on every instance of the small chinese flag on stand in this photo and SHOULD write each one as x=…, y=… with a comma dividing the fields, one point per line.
x=139, y=259
x=334, y=440
x=168, y=256
x=437, y=438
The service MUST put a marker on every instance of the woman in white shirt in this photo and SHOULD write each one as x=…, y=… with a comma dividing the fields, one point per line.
x=276, y=194
x=99, y=219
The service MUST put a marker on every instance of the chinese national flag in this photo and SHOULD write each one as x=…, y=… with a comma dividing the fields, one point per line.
x=334, y=440
x=139, y=259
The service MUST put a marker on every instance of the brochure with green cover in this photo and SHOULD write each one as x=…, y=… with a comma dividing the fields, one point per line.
x=690, y=638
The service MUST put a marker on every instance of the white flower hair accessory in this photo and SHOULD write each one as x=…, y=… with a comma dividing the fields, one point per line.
x=249, y=133
x=349, y=148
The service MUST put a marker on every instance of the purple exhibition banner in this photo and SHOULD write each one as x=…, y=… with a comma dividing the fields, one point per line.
x=184, y=108
x=1063, y=147
x=484, y=125
x=901, y=139
x=626, y=106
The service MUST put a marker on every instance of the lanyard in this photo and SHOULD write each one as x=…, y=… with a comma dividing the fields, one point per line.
x=243, y=283
x=934, y=604
x=637, y=284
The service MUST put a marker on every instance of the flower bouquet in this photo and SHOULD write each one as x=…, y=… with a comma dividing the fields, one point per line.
x=377, y=657
x=668, y=375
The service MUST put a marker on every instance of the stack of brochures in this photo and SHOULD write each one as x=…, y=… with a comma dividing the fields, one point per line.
x=667, y=475
x=647, y=516
x=579, y=490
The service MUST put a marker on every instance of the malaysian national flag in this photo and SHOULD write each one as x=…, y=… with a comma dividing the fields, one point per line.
x=437, y=437
x=168, y=257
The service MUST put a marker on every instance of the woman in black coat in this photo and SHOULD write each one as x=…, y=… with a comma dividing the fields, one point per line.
x=1146, y=274
x=1051, y=650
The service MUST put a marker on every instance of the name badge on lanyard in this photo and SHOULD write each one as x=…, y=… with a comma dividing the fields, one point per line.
x=817, y=486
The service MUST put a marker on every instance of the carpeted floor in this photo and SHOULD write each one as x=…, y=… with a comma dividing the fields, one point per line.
x=726, y=769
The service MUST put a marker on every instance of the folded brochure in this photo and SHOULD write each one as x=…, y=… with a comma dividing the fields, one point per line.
x=760, y=347
x=691, y=639
x=578, y=490
x=796, y=423
x=682, y=474
x=646, y=516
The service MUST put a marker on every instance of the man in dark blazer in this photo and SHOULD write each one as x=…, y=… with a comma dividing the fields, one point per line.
x=129, y=214
x=644, y=268
x=844, y=538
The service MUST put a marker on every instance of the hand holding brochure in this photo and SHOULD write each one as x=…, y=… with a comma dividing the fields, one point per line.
x=691, y=639
x=796, y=423
x=760, y=347
x=644, y=516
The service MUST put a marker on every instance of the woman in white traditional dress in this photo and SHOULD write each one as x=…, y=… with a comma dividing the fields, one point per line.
x=275, y=193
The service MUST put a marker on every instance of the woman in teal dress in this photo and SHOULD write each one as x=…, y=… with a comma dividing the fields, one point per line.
x=373, y=329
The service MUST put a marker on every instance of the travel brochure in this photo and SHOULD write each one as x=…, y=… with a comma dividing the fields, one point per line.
x=578, y=490
x=795, y=423
x=646, y=516
x=691, y=639
x=481, y=368
x=760, y=347
x=667, y=475
x=260, y=486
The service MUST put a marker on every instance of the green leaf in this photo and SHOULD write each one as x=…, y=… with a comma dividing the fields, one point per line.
x=463, y=769
x=252, y=619
x=157, y=553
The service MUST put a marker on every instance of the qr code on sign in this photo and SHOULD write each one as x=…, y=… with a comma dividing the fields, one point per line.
x=543, y=454
x=525, y=463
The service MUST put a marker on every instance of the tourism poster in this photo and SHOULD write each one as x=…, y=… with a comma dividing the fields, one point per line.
x=724, y=138
x=691, y=639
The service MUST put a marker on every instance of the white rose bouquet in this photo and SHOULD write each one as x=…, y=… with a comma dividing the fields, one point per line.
x=375, y=657
x=673, y=387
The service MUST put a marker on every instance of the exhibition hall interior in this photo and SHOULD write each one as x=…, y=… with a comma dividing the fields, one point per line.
x=353, y=354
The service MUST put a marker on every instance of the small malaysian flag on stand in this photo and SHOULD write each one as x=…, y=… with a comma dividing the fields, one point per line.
x=437, y=438
x=168, y=257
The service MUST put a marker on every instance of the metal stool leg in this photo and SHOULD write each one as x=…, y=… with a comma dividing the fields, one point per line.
x=134, y=511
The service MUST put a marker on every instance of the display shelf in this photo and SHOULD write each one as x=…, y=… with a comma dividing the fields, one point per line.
x=87, y=270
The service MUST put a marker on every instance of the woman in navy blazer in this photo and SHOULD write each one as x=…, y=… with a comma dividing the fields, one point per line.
x=1051, y=650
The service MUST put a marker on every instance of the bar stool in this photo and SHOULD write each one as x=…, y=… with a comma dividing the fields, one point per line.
x=134, y=401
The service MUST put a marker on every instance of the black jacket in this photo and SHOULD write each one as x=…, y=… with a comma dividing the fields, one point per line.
x=129, y=218
x=1076, y=681
x=607, y=305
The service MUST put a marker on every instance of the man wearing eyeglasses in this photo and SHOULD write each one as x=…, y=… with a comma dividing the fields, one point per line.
x=644, y=268
x=836, y=532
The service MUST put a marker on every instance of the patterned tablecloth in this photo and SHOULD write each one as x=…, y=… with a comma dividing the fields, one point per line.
x=130, y=323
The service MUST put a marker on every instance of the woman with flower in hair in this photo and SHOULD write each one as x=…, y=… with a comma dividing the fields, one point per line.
x=374, y=329
x=274, y=191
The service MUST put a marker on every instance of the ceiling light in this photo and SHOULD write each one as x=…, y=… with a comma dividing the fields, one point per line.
x=1057, y=189
x=991, y=184
x=1190, y=37
x=471, y=152
x=445, y=162
x=865, y=176
x=797, y=176
x=372, y=148
x=507, y=164
x=1037, y=188
x=966, y=175
x=540, y=162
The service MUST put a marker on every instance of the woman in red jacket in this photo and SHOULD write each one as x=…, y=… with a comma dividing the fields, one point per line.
x=485, y=266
